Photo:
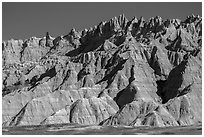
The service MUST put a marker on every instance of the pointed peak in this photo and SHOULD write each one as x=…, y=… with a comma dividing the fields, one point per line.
x=95, y=27
x=122, y=20
x=134, y=19
x=48, y=36
x=193, y=15
x=142, y=18
x=83, y=32
x=158, y=17
x=114, y=18
x=122, y=16
x=73, y=31
x=102, y=23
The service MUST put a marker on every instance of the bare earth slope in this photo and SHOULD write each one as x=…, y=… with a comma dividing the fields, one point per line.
x=120, y=72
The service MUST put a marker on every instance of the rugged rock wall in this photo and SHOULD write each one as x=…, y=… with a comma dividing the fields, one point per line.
x=118, y=73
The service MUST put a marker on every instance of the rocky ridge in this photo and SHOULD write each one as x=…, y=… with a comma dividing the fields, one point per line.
x=119, y=72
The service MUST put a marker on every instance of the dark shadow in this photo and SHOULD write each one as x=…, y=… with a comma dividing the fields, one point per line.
x=118, y=96
x=24, y=45
x=49, y=73
x=160, y=85
x=81, y=74
x=176, y=79
x=74, y=52
x=132, y=78
x=175, y=45
x=111, y=74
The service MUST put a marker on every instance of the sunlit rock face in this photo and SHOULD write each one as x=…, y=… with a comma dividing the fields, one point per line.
x=119, y=72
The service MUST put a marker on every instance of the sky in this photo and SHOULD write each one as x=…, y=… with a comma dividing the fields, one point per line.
x=23, y=20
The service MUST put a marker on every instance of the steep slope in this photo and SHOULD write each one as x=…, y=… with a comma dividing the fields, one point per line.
x=118, y=73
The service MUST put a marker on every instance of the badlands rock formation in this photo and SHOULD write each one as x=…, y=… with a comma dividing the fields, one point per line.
x=120, y=72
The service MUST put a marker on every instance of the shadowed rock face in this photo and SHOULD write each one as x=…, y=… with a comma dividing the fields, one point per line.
x=118, y=73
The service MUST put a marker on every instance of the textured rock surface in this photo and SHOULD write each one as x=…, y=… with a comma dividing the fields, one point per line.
x=118, y=73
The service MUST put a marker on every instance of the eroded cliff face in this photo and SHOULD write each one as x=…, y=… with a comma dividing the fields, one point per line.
x=118, y=73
